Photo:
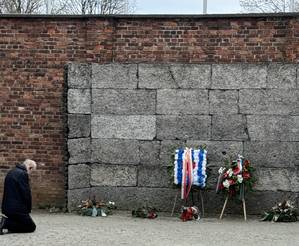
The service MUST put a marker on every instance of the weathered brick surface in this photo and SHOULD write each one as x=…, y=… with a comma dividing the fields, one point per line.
x=273, y=128
x=79, y=101
x=34, y=52
x=123, y=102
x=182, y=102
x=272, y=154
x=187, y=127
x=115, y=151
x=114, y=76
x=78, y=126
x=78, y=176
x=223, y=101
x=229, y=127
x=272, y=101
x=124, y=127
x=111, y=175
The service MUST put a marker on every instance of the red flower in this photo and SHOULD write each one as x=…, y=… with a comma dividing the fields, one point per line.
x=246, y=175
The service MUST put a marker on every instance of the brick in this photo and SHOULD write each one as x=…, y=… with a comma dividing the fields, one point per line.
x=123, y=102
x=273, y=101
x=156, y=76
x=229, y=127
x=182, y=102
x=272, y=154
x=124, y=127
x=238, y=76
x=281, y=76
x=149, y=152
x=111, y=76
x=79, y=150
x=155, y=176
x=111, y=175
x=223, y=101
x=115, y=151
x=219, y=151
x=183, y=127
x=78, y=125
x=192, y=75
x=79, y=101
x=276, y=128
x=78, y=176
x=79, y=75
x=277, y=179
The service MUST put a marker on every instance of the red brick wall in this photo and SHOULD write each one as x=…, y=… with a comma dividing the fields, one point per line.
x=33, y=52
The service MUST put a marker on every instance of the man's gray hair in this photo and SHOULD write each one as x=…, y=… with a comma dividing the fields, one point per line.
x=30, y=163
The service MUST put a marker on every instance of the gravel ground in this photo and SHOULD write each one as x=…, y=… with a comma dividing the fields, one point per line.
x=122, y=229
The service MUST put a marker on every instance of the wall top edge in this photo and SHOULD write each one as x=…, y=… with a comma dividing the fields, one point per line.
x=159, y=16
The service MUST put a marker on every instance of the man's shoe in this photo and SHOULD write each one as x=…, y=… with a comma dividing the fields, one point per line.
x=2, y=222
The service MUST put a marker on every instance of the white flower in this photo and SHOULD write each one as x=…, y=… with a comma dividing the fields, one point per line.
x=221, y=170
x=226, y=184
x=230, y=172
x=240, y=178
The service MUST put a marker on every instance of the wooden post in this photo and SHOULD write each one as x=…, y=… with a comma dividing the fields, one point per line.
x=202, y=205
x=244, y=209
x=176, y=197
x=224, y=206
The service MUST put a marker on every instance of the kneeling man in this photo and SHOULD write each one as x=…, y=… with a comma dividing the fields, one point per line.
x=16, y=203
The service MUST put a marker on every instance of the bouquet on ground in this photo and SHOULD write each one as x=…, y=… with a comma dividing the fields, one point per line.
x=91, y=207
x=236, y=178
x=145, y=212
x=282, y=212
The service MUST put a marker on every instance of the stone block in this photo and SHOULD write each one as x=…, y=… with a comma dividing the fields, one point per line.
x=79, y=75
x=124, y=127
x=115, y=151
x=272, y=154
x=274, y=127
x=168, y=148
x=78, y=176
x=223, y=101
x=149, y=152
x=182, y=102
x=79, y=150
x=192, y=75
x=281, y=75
x=113, y=175
x=155, y=176
x=156, y=76
x=129, y=198
x=183, y=127
x=75, y=197
x=277, y=179
x=270, y=101
x=79, y=125
x=132, y=102
x=79, y=101
x=229, y=127
x=218, y=151
x=238, y=76
x=112, y=76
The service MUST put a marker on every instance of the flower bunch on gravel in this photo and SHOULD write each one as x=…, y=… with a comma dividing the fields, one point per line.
x=236, y=177
x=282, y=212
x=91, y=207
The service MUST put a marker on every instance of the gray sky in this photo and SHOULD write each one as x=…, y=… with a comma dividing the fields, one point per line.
x=186, y=6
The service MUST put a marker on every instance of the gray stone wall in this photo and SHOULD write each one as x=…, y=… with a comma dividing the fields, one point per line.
x=126, y=120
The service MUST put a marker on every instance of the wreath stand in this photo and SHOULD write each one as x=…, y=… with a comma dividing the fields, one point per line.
x=200, y=197
x=242, y=195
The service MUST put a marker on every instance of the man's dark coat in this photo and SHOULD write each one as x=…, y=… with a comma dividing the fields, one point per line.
x=17, y=192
